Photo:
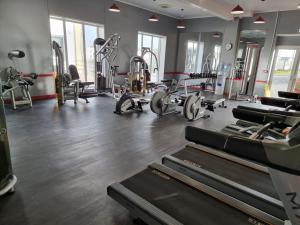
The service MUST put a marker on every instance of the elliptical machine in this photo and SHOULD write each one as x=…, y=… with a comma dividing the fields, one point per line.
x=7, y=179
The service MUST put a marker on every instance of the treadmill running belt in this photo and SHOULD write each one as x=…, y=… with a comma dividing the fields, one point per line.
x=184, y=203
x=233, y=171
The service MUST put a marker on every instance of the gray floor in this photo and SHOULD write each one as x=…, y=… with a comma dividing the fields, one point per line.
x=65, y=158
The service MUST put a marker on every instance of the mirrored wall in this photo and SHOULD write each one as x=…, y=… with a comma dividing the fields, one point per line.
x=248, y=58
x=199, y=52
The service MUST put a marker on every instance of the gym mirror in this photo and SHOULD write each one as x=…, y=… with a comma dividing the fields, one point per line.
x=199, y=52
x=248, y=57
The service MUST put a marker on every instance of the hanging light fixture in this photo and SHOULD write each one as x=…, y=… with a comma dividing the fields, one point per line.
x=237, y=10
x=180, y=24
x=216, y=35
x=298, y=6
x=114, y=8
x=153, y=18
x=259, y=20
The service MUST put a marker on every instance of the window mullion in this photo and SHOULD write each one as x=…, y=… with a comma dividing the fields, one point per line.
x=151, y=48
x=66, y=43
x=84, y=52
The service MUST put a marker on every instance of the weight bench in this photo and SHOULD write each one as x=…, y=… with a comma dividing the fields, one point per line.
x=211, y=103
x=83, y=91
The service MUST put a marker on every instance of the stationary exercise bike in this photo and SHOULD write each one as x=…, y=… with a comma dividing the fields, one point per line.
x=164, y=102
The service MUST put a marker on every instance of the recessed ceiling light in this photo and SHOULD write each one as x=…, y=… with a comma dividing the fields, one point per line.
x=165, y=6
x=298, y=6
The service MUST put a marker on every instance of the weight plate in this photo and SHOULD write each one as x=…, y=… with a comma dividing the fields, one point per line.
x=124, y=104
x=157, y=102
x=192, y=108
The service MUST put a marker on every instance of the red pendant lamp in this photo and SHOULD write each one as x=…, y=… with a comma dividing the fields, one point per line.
x=259, y=20
x=180, y=24
x=216, y=35
x=153, y=18
x=237, y=10
x=114, y=8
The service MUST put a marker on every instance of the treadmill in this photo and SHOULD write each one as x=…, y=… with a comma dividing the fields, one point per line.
x=291, y=95
x=192, y=187
x=287, y=104
x=271, y=122
x=161, y=195
x=243, y=179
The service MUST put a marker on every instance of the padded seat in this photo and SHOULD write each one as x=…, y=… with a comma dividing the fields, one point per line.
x=88, y=95
x=84, y=93
x=87, y=83
x=209, y=102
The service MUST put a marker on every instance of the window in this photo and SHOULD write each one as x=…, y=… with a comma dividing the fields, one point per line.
x=217, y=55
x=77, y=41
x=157, y=45
x=191, y=57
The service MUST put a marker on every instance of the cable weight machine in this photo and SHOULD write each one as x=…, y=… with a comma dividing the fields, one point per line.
x=106, y=53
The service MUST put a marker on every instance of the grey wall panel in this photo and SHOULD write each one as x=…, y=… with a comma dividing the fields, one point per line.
x=87, y=10
x=287, y=41
x=289, y=22
x=24, y=25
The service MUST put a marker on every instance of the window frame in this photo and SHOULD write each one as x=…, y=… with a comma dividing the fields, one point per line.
x=82, y=23
x=195, y=55
x=161, y=49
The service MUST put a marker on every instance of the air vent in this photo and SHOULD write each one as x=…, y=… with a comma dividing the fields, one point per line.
x=165, y=6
